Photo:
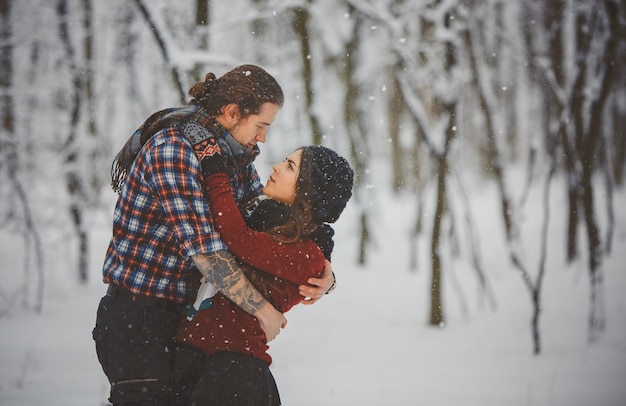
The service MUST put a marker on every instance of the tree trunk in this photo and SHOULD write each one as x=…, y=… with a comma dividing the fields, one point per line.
x=357, y=132
x=395, y=114
x=300, y=26
x=618, y=141
x=72, y=146
x=95, y=153
x=202, y=15
x=202, y=34
x=436, y=309
x=364, y=239
x=543, y=249
x=589, y=143
x=597, y=313
x=7, y=119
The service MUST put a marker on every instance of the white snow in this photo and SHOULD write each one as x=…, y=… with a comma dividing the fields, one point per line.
x=368, y=343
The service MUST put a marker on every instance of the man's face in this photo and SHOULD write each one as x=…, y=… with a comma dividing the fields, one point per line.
x=252, y=129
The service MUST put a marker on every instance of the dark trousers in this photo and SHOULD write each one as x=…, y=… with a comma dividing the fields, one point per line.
x=225, y=379
x=134, y=343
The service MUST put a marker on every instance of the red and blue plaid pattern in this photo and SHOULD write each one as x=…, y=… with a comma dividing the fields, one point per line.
x=161, y=219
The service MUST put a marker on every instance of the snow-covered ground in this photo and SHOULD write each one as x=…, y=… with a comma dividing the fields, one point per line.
x=368, y=343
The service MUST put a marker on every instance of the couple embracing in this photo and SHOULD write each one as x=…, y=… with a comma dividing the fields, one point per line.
x=204, y=259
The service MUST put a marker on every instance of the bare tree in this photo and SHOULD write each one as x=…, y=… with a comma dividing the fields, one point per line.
x=203, y=8
x=13, y=191
x=160, y=36
x=357, y=130
x=71, y=147
x=578, y=115
x=300, y=24
x=429, y=79
x=448, y=112
x=489, y=102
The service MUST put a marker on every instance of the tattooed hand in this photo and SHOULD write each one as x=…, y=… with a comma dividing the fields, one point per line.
x=222, y=270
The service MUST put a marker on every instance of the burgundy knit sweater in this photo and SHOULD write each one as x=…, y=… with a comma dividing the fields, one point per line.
x=224, y=326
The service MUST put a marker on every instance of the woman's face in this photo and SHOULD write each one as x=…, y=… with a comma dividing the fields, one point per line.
x=252, y=129
x=281, y=185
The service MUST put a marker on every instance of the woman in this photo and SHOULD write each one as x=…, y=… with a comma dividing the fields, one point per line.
x=222, y=354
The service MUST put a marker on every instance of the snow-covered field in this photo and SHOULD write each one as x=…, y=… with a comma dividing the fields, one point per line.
x=368, y=343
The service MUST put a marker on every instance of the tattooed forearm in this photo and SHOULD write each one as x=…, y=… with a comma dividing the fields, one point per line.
x=223, y=271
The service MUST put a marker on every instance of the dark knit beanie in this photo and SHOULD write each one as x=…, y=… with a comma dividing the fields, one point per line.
x=331, y=183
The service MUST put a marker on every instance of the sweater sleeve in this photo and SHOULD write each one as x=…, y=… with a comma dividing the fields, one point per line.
x=295, y=262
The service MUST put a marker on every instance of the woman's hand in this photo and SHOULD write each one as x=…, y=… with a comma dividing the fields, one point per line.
x=318, y=287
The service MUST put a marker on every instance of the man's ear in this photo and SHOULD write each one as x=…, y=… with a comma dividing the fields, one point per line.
x=231, y=114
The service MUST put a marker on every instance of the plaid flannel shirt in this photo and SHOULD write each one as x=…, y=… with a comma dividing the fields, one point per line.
x=162, y=218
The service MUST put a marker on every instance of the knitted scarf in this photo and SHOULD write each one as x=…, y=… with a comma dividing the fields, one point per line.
x=184, y=117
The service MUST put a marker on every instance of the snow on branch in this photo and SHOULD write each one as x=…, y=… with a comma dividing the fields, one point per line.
x=166, y=45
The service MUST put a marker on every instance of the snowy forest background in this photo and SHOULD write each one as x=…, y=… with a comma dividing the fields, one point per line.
x=434, y=102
